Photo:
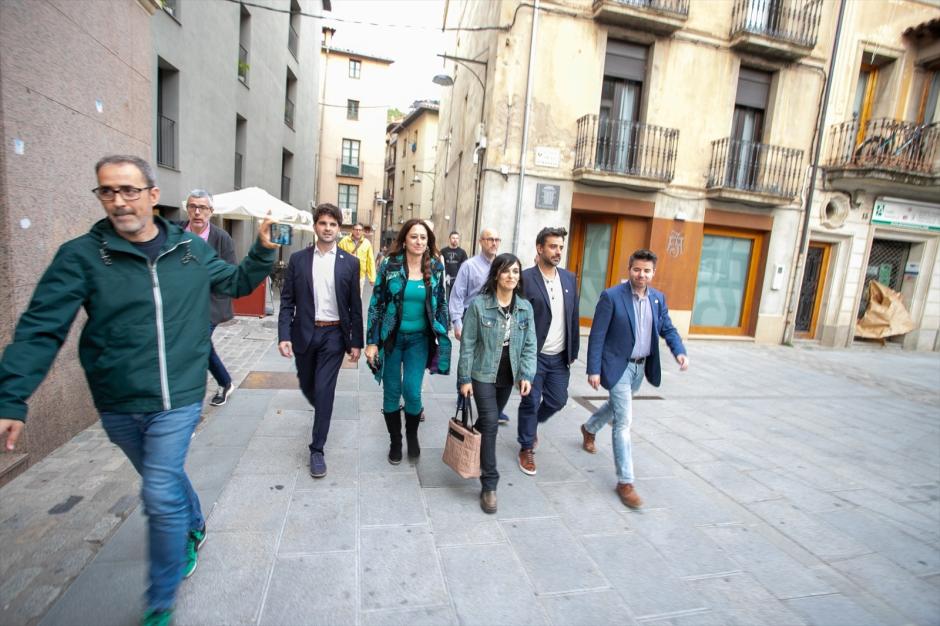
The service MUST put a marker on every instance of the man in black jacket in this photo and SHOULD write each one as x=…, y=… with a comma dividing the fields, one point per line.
x=199, y=208
x=321, y=320
x=553, y=293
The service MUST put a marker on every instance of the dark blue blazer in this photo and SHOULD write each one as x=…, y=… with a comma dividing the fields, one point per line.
x=537, y=294
x=296, y=317
x=613, y=335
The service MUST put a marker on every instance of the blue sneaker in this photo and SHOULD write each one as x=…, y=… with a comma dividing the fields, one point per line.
x=503, y=419
x=317, y=465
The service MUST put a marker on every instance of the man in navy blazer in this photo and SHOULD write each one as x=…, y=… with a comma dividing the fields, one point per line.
x=321, y=320
x=554, y=296
x=622, y=348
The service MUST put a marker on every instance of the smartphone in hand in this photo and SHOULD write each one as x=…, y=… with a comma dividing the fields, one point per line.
x=281, y=234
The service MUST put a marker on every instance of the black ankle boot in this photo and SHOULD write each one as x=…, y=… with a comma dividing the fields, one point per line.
x=411, y=434
x=393, y=423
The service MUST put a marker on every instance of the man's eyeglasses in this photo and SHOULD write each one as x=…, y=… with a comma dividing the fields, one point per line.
x=195, y=208
x=491, y=239
x=127, y=192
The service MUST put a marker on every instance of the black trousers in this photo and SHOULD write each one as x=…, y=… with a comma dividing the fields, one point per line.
x=490, y=401
x=317, y=370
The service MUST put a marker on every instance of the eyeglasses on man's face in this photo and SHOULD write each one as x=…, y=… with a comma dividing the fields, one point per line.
x=127, y=192
x=196, y=208
x=491, y=239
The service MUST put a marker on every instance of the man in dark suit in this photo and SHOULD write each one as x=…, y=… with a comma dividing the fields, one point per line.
x=321, y=320
x=623, y=348
x=554, y=296
x=199, y=209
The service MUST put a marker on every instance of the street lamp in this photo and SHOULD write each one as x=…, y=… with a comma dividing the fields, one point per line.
x=446, y=80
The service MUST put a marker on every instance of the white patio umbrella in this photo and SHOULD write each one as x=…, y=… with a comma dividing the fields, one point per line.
x=254, y=202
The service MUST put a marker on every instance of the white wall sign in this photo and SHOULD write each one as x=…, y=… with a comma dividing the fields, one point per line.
x=547, y=157
x=907, y=213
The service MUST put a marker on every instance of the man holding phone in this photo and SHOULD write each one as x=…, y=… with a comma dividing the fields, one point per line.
x=319, y=321
x=144, y=284
x=199, y=209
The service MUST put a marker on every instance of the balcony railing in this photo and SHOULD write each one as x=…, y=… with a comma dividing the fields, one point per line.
x=355, y=170
x=239, y=160
x=390, y=161
x=243, y=64
x=285, y=189
x=626, y=147
x=289, y=112
x=292, y=39
x=678, y=7
x=755, y=167
x=792, y=21
x=891, y=145
x=166, y=142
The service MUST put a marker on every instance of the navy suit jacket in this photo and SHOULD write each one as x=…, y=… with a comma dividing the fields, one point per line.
x=296, y=317
x=537, y=294
x=613, y=335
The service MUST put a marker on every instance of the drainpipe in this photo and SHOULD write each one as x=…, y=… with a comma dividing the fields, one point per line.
x=789, y=328
x=525, y=127
x=327, y=41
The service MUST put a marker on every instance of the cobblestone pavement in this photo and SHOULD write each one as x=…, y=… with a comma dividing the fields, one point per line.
x=784, y=486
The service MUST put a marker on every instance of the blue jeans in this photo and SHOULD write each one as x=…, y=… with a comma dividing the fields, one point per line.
x=490, y=401
x=156, y=444
x=216, y=367
x=549, y=395
x=403, y=373
x=619, y=410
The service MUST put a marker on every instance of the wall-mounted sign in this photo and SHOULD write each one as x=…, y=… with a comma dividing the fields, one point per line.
x=675, y=244
x=546, y=196
x=906, y=213
x=547, y=157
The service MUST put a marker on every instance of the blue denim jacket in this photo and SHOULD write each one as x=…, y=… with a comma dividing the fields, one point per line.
x=481, y=341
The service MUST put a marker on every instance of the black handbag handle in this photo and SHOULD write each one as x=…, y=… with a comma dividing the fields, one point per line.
x=465, y=411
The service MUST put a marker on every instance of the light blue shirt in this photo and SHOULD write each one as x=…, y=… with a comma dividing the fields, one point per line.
x=644, y=324
x=469, y=281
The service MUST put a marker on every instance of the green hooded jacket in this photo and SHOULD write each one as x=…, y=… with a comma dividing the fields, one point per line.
x=145, y=344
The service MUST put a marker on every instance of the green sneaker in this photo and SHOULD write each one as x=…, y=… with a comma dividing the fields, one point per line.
x=193, y=543
x=157, y=618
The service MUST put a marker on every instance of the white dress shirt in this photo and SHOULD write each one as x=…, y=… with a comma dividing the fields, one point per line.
x=324, y=285
x=555, y=338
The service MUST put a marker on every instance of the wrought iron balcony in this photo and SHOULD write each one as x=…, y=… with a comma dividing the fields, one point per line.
x=166, y=142
x=390, y=161
x=658, y=16
x=886, y=145
x=632, y=154
x=754, y=173
x=353, y=170
x=784, y=29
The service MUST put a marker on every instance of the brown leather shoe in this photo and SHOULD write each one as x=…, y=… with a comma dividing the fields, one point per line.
x=588, y=443
x=488, y=501
x=527, y=461
x=629, y=496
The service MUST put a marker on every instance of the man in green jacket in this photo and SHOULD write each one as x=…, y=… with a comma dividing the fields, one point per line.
x=144, y=284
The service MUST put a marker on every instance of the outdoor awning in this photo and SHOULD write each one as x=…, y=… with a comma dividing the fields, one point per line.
x=254, y=203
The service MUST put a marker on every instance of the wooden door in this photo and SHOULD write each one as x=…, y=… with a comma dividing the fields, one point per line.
x=813, y=286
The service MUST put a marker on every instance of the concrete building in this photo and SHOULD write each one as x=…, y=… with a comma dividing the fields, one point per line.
x=235, y=95
x=389, y=222
x=353, y=99
x=688, y=128
x=75, y=84
x=416, y=147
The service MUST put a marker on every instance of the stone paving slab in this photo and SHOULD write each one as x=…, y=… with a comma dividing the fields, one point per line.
x=760, y=469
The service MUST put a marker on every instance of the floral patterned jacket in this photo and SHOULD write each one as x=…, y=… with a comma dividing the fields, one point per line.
x=385, y=311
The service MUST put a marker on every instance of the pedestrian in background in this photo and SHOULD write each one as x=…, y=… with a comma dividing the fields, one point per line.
x=320, y=320
x=454, y=256
x=623, y=348
x=357, y=245
x=407, y=331
x=144, y=284
x=497, y=352
x=199, y=209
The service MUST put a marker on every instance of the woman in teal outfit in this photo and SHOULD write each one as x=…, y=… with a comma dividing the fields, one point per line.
x=407, y=330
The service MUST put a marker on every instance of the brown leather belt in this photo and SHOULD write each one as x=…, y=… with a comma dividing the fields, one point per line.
x=323, y=324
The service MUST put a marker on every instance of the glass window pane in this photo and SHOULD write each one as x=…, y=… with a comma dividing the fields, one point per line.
x=594, y=266
x=722, y=281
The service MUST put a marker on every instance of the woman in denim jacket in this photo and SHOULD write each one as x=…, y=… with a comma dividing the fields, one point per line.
x=497, y=351
x=407, y=330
